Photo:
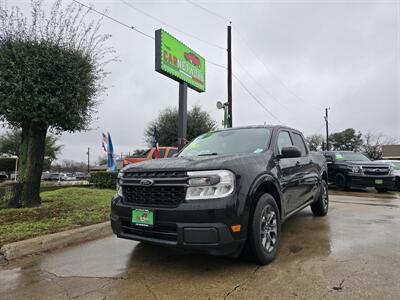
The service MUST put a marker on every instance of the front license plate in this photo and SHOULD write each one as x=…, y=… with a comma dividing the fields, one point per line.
x=378, y=181
x=142, y=217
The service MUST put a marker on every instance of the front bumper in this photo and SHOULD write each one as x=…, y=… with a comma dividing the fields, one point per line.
x=201, y=225
x=371, y=181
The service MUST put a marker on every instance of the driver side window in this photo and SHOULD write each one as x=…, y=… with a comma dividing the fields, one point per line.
x=284, y=140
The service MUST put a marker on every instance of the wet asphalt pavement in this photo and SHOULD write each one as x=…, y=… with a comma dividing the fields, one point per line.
x=352, y=253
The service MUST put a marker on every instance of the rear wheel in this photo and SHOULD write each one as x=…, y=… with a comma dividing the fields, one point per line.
x=340, y=181
x=320, y=208
x=264, y=231
x=381, y=190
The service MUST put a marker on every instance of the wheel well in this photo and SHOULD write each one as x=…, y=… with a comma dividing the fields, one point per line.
x=268, y=187
x=325, y=176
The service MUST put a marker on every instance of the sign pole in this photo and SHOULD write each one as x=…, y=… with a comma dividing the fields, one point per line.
x=229, y=77
x=327, y=129
x=182, y=123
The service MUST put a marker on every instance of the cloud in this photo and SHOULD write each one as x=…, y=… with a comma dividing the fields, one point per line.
x=337, y=54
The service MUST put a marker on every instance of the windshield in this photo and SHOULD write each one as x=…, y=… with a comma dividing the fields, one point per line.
x=233, y=141
x=351, y=156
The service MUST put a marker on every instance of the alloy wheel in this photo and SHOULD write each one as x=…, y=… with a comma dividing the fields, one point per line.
x=269, y=228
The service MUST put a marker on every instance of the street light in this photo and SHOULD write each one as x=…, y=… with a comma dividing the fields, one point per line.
x=224, y=106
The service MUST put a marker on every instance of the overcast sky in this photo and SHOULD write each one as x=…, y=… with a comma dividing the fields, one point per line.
x=302, y=56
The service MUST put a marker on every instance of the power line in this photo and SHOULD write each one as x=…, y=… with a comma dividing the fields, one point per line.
x=209, y=11
x=211, y=62
x=135, y=29
x=259, y=84
x=248, y=91
x=256, y=99
x=115, y=20
x=170, y=25
x=216, y=64
x=268, y=69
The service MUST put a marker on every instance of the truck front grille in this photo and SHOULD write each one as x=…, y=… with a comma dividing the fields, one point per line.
x=154, y=195
x=168, y=188
x=375, y=171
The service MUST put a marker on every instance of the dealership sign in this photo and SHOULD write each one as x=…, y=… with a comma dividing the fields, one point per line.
x=177, y=61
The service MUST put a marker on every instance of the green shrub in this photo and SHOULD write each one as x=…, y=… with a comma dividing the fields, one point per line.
x=103, y=179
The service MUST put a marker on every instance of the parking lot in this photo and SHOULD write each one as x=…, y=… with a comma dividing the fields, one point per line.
x=352, y=253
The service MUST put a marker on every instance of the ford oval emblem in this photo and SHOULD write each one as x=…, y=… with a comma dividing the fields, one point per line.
x=146, y=182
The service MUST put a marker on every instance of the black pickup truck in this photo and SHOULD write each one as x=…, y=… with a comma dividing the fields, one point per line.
x=353, y=169
x=226, y=193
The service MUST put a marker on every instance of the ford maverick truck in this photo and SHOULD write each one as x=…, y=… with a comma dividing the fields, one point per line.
x=226, y=193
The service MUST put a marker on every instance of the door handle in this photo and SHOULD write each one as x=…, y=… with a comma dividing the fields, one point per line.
x=297, y=164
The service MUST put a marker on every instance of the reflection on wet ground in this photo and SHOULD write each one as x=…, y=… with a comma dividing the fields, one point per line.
x=352, y=253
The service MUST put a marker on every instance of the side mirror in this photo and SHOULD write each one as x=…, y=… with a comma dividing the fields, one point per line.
x=290, y=152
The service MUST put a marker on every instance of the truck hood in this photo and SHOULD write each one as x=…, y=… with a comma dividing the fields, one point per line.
x=212, y=162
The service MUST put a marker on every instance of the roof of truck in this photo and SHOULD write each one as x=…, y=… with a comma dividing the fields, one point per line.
x=258, y=126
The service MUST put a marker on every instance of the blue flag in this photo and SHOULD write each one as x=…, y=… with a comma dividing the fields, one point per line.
x=155, y=143
x=110, y=155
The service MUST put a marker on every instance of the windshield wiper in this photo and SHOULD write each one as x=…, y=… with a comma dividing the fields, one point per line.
x=207, y=154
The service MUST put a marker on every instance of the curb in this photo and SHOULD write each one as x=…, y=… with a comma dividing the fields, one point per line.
x=55, y=240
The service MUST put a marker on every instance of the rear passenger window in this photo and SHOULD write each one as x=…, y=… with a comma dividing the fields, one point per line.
x=162, y=152
x=284, y=140
x=299, y=143
x=172, y=152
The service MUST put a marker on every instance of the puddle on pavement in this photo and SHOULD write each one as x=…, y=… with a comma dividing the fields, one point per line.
x=107, y=257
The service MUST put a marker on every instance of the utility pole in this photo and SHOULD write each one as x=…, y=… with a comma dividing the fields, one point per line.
x=88, y=160
x=327, y=129
x=229, y=76
x=182, y=112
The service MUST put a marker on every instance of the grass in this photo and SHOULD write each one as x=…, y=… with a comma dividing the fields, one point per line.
x=60, y=210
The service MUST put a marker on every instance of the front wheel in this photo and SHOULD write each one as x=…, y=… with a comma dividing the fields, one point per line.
x=340, y=182
x=264, y=231
x=320, y=208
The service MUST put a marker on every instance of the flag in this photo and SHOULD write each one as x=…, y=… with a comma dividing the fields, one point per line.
x=104, y=143
x=155, y=143
x=110, y=155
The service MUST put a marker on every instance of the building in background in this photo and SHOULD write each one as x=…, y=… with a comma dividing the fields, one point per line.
x=391, y=152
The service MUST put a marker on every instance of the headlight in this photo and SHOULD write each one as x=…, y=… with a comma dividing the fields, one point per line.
x=391, y=170
x=356, y=169
x=210, y=184
x=119, y=187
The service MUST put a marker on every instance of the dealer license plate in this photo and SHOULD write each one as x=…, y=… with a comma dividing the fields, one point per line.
x=142, y=217
x=378, y=181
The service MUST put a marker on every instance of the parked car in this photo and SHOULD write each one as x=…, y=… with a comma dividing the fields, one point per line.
x=67, y=177
x=46, y=175
x=51, y=176
x=226, y=193
x=82, y=176
x=165, y=152
x=3, y=176
x=353, y=169
x=395, y=164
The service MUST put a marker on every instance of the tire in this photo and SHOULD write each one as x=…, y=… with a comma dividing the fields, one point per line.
x=340, y=182
x=263, y=240
x=321, y=207
x=381, y=190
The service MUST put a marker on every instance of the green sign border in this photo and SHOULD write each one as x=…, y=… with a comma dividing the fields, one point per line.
x=177, y=50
